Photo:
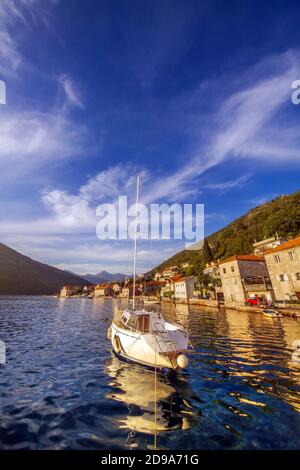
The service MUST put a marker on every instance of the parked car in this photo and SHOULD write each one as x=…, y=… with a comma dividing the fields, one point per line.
x=254, y=300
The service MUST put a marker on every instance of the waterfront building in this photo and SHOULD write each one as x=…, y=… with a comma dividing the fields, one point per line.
x=68, y=291
x=88, y=289
x=283, y=263
x=127, y=291
x=116, y=288
x=243, y=277
x=184, y=287
x=169, y=285
x=102, y=290
x=152, y=287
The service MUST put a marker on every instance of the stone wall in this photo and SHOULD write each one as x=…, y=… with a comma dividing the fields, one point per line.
x=284, y=289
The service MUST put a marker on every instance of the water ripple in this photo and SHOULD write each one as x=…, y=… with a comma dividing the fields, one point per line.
x=63, y=389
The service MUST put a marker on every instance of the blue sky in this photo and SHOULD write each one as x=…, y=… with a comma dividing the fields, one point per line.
x=194, y=96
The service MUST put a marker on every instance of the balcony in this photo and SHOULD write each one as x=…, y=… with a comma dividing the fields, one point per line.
x=257, y=284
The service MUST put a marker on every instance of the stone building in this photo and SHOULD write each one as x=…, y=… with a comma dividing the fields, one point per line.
x=184, y=288
x=283, y=264
x=68, y=291
x=127, y=291
x=152, y=288
x=244, y=276
x=103, y=290
x=169, y=285
x=89, y=289
x=116, y=288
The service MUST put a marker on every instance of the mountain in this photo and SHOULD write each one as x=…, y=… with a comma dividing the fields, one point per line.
x=104, y=276
x=20, y=274
x=281, y=216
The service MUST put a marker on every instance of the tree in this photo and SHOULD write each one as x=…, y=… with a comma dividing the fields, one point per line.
x=204, y=279
x=207, y=255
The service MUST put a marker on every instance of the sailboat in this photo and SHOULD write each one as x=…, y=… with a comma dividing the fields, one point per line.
x=145, y=337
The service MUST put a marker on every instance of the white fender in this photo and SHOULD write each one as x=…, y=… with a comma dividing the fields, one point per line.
x=182, y=361
x=296, y=344
x=296, y=356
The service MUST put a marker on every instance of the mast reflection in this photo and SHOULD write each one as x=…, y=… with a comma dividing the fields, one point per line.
x=135, y=386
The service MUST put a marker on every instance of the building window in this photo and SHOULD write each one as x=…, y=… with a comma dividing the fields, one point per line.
x=224, y=270
x=292, y=255
x=232, y=269
x=283, y=277
x=232, y=298
x=277, y=258
x=297, y=276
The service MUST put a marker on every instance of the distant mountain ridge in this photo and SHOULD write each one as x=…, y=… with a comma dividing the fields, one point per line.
x=104, y=276
x=280, y=215
x=21, y=275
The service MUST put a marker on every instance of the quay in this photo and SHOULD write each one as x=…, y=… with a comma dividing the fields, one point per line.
x=288, y=311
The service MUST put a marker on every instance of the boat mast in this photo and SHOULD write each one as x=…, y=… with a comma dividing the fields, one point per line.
x=135, y=239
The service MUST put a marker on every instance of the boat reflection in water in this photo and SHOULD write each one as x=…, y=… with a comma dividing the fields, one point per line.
x=134, y=385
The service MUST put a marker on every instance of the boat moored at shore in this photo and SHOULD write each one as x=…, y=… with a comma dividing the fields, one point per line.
x=148, y=339
x=270, y=313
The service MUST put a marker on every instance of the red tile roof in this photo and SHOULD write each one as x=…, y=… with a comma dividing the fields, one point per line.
x=184, y=278
x=285, y=246
x=242, y=258
x=176, y=278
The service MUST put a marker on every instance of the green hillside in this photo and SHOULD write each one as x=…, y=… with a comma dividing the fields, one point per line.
x=281, y=215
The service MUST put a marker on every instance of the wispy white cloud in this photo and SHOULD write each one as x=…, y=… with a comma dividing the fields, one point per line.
x=31, y=139
x=230, y=184
x=10, y=59
x=78, y=211
x=244, y=126
x=112, y=182
x=18, y=15
x=71, y=93
x=242, y=129
x=246, y=115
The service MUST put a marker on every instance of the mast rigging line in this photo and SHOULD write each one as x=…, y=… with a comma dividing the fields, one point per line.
x=135, y=240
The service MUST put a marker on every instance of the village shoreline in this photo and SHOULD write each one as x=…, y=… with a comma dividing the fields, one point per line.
x=266, y=279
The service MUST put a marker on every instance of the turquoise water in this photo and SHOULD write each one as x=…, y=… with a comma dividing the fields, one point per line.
x=62, y=388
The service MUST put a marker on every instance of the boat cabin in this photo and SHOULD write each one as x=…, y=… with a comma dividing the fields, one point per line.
x=138, y=321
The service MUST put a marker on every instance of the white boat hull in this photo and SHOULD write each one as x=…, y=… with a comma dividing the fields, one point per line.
x=160, y=350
